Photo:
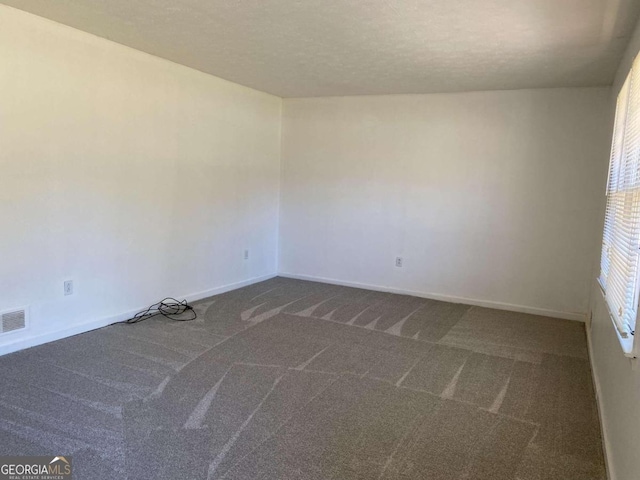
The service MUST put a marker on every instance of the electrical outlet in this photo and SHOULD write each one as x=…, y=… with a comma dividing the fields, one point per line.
x=246, y=254
x=399, y=262
x=68, y=287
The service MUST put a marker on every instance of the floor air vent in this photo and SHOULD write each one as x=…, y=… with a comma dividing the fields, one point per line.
x=13, y=320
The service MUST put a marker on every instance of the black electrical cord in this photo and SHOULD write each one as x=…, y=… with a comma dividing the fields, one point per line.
x=169, y=307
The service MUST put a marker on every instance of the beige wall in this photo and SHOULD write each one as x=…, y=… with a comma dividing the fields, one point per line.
x=617, y=378
x=491, y=198
x=133, y=176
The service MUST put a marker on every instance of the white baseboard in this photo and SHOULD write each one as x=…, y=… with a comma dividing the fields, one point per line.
x=580, y=317
x=33, y=341
x=227, y=288
x=596, y=387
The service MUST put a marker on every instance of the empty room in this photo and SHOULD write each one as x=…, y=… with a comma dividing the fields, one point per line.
x=319, y=240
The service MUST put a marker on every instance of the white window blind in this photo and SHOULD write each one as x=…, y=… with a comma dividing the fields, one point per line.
x=621, y=238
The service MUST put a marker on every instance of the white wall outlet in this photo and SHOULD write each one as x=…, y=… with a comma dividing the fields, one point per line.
x=399, y=262
x=246, y=254
x=68, y=287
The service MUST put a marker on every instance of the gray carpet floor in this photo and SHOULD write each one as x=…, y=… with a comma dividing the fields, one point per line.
x=288, y=379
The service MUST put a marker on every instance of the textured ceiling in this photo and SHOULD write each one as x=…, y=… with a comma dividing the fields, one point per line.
x=301, y=48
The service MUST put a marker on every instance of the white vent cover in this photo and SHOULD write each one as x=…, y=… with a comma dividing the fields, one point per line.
x=13, y=320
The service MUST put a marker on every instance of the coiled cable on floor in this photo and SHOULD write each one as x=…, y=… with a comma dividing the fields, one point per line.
x=169, y=308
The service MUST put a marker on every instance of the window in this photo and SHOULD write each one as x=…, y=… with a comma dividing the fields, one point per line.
x=619, y=267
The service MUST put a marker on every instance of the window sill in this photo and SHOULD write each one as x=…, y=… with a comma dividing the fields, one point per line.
x=627, y=344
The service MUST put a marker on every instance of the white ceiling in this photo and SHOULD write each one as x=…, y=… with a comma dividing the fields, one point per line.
x=301, y=48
